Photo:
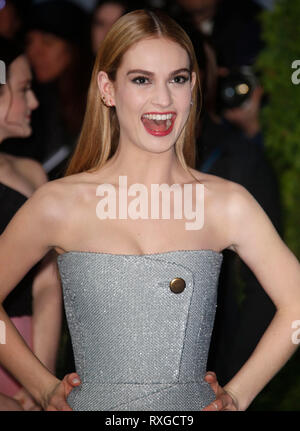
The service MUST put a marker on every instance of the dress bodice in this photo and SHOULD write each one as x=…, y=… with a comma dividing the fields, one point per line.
x=131, y=330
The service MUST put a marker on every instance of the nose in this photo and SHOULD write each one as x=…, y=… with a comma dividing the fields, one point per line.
x=33, y=103
x=162, y=95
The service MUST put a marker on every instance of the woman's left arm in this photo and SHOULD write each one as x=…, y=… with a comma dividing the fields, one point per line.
x=257, y=242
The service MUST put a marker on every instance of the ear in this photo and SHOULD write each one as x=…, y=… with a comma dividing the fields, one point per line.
x=106, y=88
x=193, y=80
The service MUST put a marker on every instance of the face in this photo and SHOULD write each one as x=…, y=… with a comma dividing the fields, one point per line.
x=105, y=16
x=17, y=100
x=9, y=21
x=49, y=55
x=161, y=86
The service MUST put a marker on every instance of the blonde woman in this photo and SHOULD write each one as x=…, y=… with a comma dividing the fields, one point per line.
x=140, y=291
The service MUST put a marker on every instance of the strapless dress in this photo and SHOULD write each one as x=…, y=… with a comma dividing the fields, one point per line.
x=140, y=327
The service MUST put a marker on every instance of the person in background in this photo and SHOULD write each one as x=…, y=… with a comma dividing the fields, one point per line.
x=231, y=25
x=35, y=305
x=12, y=16
x=230, y=145
x=58, y=49
x=106, y=12
x=120, y=300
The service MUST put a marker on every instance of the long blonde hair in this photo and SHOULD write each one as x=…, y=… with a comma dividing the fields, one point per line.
x=99, y=135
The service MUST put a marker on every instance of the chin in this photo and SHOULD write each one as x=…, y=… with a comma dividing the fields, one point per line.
x=27, y=132
x=159, y=147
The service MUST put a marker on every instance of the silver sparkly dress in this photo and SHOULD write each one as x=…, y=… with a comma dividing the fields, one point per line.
x=140, y=327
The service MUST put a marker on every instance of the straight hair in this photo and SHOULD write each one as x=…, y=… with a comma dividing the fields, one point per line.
x=99, y=135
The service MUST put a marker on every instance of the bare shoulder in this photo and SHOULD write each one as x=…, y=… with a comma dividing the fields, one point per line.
x=30, y=169
x=232, y=209
x=240, y=221
x=59, y=196
x=209, y=180
x=250, y=231
x=45, y=216
x=218, y=190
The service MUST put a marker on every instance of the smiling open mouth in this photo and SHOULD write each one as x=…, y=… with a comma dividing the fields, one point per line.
x=159, y=124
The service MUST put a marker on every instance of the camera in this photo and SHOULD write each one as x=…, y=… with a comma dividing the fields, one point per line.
x=235, y=88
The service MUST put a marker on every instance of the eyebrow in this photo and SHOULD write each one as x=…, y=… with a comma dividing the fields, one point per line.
x=146, y=72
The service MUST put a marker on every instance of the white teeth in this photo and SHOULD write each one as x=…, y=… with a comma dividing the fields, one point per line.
x=158, y=116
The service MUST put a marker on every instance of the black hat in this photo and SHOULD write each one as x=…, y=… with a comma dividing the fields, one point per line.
x=61, y=18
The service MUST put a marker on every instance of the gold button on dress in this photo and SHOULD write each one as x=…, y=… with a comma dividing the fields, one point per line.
x=177, y=285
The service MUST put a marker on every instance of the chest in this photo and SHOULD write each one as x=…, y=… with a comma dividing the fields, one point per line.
x=136, y=226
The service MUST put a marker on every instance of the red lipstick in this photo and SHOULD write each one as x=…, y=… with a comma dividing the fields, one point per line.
x=156, y=131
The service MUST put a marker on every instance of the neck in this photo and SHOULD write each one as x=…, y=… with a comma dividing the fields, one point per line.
x=145, y=167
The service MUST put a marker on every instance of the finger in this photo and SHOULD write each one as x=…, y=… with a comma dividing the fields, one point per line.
x=64, y=406
x=211, y=379
x=69, y=382
x=35, y=408
x=58, y=404
x=213, y=406
x=20, y=399
x=224, y=402
x=211, y=373
x=73, y=379
x=211, y=376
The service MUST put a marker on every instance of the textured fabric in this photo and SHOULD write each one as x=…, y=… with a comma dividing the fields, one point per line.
x=138, y=345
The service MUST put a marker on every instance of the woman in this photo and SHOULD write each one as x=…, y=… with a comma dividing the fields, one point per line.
x=105, y=14
x=19, y=178
x=140, y=293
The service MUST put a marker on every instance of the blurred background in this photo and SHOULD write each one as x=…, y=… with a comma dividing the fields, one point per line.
x=249, y=132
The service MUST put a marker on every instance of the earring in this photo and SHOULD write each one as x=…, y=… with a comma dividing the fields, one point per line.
x=192, y=103
x=104, y=101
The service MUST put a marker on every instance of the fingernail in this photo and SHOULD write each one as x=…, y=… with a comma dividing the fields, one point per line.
x=76, y=381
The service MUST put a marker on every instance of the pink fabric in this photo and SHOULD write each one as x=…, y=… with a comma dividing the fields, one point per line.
x=8, y=385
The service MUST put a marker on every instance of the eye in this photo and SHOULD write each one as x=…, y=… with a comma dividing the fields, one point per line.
x=142, y=80
x=25, y=89
x=138, y=80
x=180, y=79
